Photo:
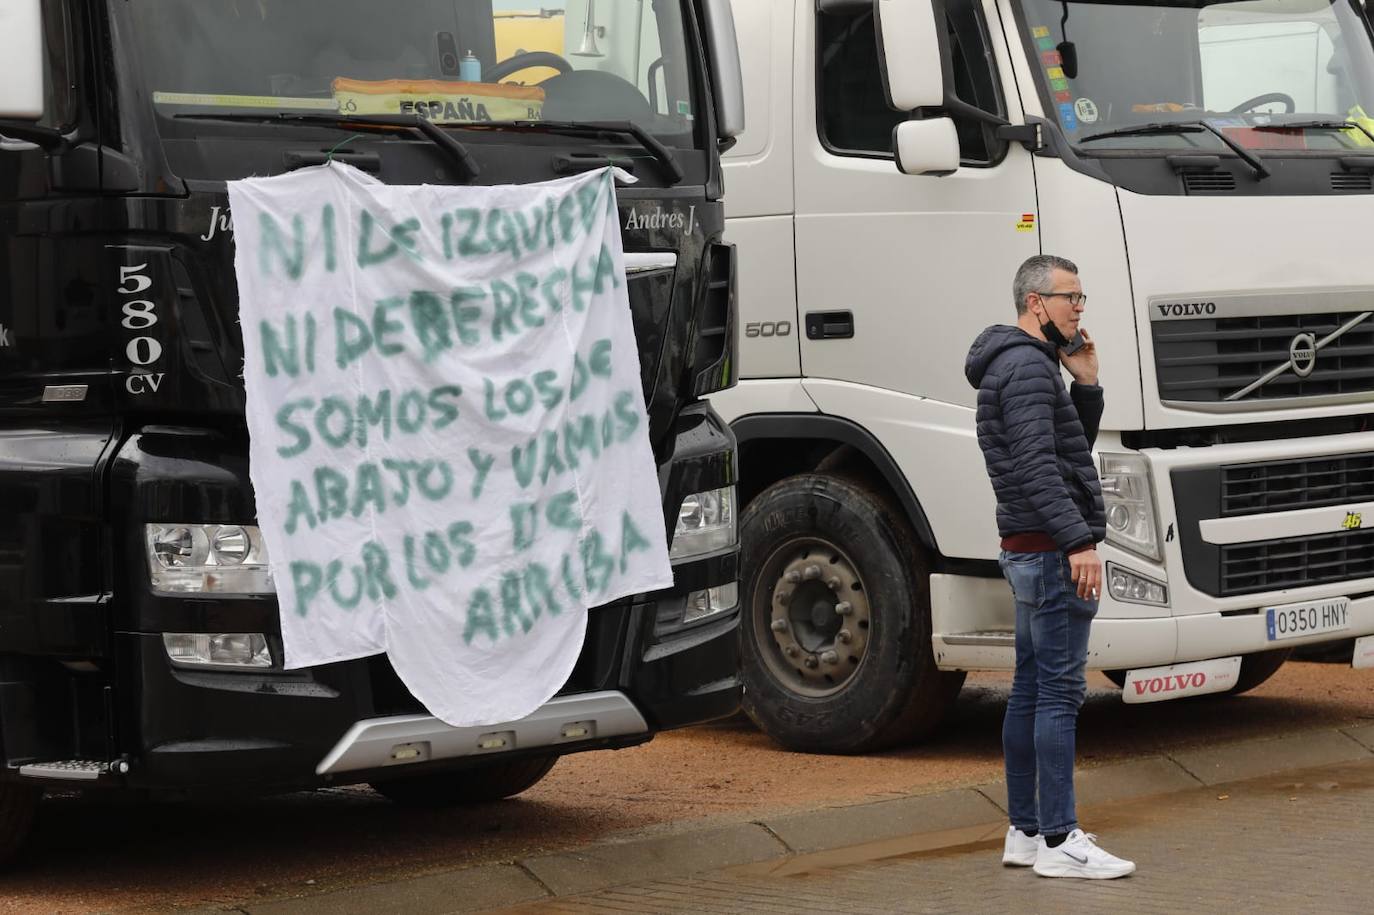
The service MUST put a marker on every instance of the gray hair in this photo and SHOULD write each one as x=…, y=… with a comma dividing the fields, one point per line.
x=1036, y=275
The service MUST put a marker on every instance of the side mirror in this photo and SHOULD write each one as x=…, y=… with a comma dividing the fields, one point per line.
x=21, y=59
x=726, y=73
x=928, y=147
x=912, y=53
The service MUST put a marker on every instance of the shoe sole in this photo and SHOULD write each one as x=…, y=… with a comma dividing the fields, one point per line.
x=1013, y=861
x=1083, y=873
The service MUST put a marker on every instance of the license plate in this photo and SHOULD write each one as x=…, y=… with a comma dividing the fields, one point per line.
x=1295, y=621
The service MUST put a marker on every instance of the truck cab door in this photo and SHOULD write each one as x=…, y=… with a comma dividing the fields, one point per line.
x=897, y=274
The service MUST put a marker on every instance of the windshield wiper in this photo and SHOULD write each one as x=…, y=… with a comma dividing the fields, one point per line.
x=1315, y=124
x=1197, y=126
x=431, y=131
x=662, y=154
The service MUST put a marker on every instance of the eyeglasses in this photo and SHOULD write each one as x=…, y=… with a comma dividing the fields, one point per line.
x=1075, y=298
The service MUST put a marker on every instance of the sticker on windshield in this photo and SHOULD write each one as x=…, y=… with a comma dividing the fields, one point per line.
x=684, y=109
x=1051, y=59
x=1086, y=109
x=1059, y=85
x=1045, y=44
x=441, y=102
x=1063, y=96
x=1054, y=73
x=1067, y=117
x=1040, y=31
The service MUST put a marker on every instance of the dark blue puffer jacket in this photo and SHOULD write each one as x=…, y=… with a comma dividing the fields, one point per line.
x=1037, y=438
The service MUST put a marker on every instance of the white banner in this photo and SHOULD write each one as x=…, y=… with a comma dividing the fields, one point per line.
x=449, y=446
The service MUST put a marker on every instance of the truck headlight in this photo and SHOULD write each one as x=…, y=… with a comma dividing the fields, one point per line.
x=207, y=559
x=701, y=604
x=1134, y=588
x=217, y=649
x=1130, y=502
x=705, y=523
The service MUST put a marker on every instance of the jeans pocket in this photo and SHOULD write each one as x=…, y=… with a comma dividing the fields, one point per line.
x=1025, y=572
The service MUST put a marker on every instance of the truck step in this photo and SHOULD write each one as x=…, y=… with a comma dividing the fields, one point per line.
x=998, y=637
x=66, y=769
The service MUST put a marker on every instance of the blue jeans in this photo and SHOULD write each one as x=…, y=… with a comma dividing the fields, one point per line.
x=1052, y=626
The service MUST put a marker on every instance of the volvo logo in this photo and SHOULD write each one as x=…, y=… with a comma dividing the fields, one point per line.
x=1186, y=309
x=1302, y=352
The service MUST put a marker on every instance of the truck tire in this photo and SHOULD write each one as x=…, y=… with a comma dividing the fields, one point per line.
x=1258, y=667
x=18, y=809
x=835, y=643
x=491, y=782
x=1254, y=670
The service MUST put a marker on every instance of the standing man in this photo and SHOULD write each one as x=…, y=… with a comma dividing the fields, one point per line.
x=1037, y=440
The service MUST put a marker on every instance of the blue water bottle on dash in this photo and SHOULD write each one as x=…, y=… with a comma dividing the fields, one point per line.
x=470, y=69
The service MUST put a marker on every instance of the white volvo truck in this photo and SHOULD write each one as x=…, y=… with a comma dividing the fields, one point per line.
x=1208, y=166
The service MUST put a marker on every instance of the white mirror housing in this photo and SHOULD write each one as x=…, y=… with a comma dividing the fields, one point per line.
x=929, y=147
x=21, y=60
x=726, y=72
x=909, y=52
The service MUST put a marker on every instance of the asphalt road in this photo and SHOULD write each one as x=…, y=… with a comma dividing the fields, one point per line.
x=91, y=856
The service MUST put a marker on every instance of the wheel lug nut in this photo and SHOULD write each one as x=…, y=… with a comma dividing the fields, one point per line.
x=779, y=625
x=794, y=576
x=844, y=636
x=783, y=596
x=810, y=661
x=830, y=657
x=812, y=573
x=843, y=608
x=790, y=651
x=832, y=583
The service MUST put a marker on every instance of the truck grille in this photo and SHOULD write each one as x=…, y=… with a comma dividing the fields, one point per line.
x=1236, y=490
x=1251, y=489
x=1208, y=360
x=1298, y=561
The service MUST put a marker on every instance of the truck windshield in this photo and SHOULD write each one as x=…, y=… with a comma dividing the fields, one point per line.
x=451, y=61
x=1238, y=65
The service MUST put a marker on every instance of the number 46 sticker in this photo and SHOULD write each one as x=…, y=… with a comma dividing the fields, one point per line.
x=138, y=315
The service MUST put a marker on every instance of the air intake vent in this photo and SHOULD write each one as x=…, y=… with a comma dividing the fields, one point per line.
x=1210, y=181
x=1352, y=182
x=1296, y=562
x=1208, y=360
x=713, y=363
x=1274, y=486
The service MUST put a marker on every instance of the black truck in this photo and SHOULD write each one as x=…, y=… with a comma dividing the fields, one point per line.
x=140, y=646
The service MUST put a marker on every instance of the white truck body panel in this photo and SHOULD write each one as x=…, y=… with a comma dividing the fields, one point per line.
x=925, y=263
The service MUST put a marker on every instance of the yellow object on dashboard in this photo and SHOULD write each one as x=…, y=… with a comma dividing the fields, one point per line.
x=442, y=102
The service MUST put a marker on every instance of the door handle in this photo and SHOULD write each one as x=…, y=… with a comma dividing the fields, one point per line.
x=829, y=325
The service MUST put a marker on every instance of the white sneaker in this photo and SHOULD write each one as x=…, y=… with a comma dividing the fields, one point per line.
x=1020, y=850
x=1079, y=856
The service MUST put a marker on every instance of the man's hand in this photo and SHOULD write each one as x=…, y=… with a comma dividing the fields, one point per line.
x=1085, y=569
x=1082, y=365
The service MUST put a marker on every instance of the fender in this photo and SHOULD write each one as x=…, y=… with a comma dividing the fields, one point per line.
x=758, y=426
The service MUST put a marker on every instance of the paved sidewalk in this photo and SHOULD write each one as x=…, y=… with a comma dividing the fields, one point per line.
x=1293, y=842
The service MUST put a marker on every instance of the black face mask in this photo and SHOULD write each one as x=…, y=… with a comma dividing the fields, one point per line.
x=1053, y=334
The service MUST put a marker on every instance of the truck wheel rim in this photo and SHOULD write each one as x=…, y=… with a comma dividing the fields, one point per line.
x=812, y=617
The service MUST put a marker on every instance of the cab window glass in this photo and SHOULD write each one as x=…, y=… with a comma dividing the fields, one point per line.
x=853, y=114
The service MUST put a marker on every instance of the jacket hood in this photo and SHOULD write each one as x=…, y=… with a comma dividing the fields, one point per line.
x=994, y=341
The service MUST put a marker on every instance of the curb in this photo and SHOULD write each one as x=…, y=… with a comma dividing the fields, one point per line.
x=953, y=817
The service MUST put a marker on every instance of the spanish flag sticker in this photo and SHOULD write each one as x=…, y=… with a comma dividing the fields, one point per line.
x=1027, y=223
